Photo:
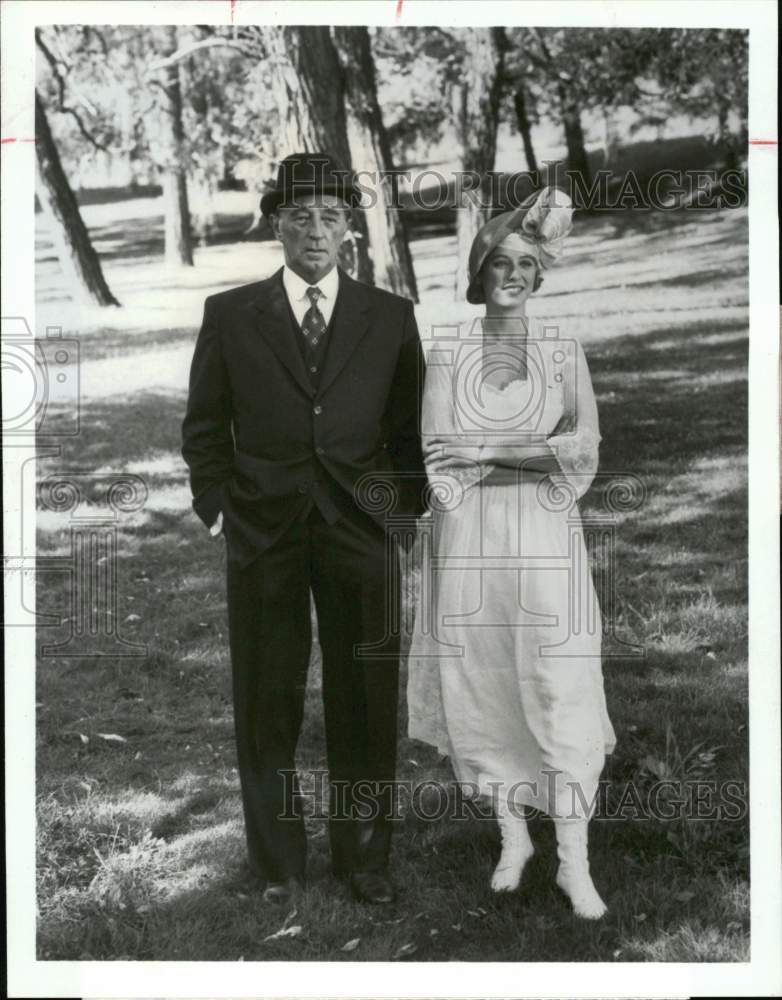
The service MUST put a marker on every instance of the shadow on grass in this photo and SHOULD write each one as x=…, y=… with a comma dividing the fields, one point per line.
x=155, y=897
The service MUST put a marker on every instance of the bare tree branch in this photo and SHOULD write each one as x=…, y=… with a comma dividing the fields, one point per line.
x=546, y=53
x=90, y=30
x=62, y=106
x=246, y=49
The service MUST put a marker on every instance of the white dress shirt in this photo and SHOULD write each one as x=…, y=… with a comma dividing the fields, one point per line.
x=296, y=290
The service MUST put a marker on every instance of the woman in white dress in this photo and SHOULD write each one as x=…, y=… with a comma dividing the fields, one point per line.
x=504, y=668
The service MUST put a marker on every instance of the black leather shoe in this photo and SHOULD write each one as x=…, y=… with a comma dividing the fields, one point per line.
x=282, y=893
x=372, y=887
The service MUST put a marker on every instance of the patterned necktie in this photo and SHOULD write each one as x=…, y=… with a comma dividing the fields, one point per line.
x=313, y=324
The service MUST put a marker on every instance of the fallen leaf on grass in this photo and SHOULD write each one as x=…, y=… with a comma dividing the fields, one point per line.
x=351, y=945
x=640, y=917
x=287, y=930
x=685, y=897
x=133, y=618
x=112, y=737
x=658, y=767
x=293, y=931
x=404, y=951
x=433, y=932
x=456, y=927
x=85, y=739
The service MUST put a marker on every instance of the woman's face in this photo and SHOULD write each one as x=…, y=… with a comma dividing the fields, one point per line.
x=508, y=275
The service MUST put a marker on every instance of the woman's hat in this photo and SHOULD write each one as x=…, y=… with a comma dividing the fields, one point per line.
x=310, y=173
x=542, y=222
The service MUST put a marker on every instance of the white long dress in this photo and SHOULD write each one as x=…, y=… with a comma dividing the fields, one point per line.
x=504, y=668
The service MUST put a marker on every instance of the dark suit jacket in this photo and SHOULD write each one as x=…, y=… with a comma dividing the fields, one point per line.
x=260, y=441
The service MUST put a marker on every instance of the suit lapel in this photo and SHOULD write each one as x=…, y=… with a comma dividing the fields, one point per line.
x=277, y=329
x=350, y=324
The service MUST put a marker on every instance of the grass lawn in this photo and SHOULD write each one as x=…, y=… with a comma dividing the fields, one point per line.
x=140, y=839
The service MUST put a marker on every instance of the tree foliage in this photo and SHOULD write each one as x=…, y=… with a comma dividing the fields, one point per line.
x=702, y=74
x=249, y=94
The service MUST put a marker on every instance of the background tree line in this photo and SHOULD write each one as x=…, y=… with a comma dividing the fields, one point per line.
x=192, y=108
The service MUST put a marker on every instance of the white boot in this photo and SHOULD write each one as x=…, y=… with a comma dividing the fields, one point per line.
x=517, y=849
x=573, y=876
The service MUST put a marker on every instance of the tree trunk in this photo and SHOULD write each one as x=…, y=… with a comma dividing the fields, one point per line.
x=525, y=128
x=727, y=141
x=611, y=142
x=202, y=214
x=77, y=255
x=370, y=153
x=476, y=112
x=310, y=93
x=577, y=159
x=178, y=233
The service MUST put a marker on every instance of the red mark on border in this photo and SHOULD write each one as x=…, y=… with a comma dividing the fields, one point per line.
x=399, y=8
x=14, y=139
x=233, y=10
x=762, y=142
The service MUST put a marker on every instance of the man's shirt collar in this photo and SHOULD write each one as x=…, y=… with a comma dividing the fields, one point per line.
x=296, y=287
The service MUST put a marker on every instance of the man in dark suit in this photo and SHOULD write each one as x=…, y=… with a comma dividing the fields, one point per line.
x=304, y=397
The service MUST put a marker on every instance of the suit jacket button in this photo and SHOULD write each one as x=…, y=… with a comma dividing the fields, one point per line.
x=317, y=410
x=302, y=489
x=320, y=451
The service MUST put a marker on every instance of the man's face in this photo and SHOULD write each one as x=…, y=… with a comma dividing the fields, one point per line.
x=311, y=232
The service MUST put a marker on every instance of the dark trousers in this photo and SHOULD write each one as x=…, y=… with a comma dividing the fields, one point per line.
x=345, y=566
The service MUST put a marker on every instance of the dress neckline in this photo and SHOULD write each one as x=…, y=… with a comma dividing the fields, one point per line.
x=513, y=381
